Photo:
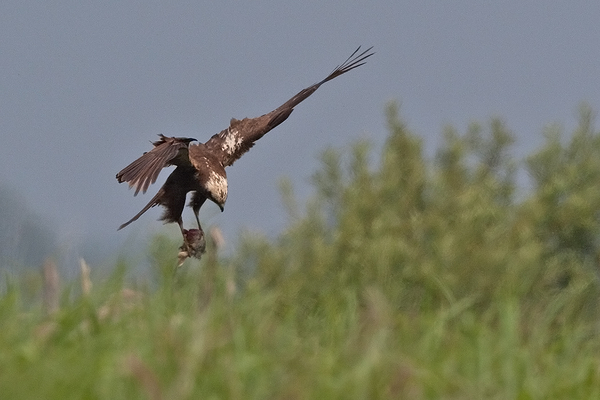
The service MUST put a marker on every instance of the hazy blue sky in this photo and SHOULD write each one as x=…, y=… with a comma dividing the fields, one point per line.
x=84, y=87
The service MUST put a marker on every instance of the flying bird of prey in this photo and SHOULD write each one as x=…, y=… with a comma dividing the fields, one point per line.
x=200, y=168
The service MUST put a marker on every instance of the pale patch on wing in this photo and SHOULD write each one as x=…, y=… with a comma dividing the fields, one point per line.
x=232, y=141
x=217, y=185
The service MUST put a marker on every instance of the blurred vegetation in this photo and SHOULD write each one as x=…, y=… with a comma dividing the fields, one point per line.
x=402, y=278
x=25, y=238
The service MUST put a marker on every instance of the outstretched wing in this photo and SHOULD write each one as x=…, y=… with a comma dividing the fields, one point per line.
x=144, y=171
x=231, y=143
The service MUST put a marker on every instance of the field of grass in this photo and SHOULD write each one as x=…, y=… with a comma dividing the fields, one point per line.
x=194, y=339
x=410, y=279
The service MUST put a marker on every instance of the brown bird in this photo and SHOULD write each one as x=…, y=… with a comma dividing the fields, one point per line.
x=200, y=168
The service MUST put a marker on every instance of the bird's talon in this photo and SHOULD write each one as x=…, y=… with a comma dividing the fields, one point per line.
x=194, y=245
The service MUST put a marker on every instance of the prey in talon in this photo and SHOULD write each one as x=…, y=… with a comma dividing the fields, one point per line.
x=200, y=167
x=194, y=245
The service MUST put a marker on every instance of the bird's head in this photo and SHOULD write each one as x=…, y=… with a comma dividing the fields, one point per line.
x=216, y=186
x=220, y=200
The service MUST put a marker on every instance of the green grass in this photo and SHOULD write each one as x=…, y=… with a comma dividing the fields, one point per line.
x=190, y=339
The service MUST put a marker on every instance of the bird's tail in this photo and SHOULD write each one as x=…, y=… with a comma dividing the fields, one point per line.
x=154, y=202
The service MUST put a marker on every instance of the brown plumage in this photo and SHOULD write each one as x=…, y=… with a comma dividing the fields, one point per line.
x=200, y=168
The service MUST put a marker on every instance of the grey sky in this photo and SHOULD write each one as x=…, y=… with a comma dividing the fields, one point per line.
x=84, y=87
